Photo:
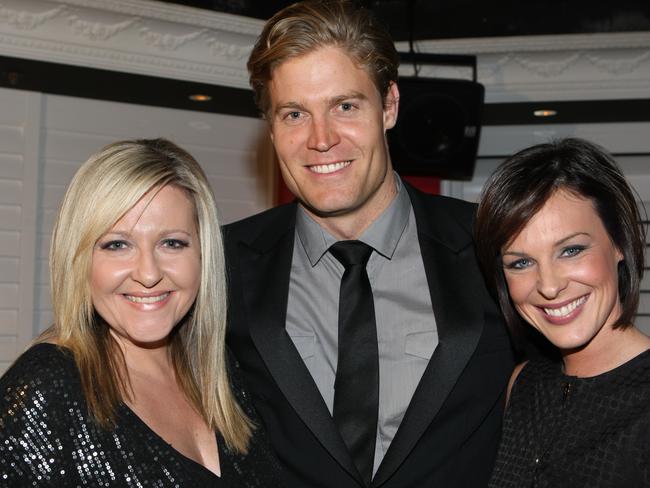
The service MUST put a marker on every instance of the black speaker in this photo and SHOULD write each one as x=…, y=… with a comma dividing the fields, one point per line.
x=438, y=127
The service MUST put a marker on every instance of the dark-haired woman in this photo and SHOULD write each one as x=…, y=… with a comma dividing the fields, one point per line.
x=560, y=239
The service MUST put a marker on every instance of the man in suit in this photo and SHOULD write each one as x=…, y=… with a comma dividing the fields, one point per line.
x=325, y=77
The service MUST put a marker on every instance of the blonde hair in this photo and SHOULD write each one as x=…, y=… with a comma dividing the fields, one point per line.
x=306, y=26
x=107, y=186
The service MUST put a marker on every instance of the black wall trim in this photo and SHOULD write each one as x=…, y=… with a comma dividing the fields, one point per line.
x=61, y=79
x=568, y=112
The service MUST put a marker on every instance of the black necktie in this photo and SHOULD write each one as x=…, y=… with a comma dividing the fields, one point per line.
x=356, y=390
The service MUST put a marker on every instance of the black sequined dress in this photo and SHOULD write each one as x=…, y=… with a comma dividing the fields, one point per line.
x=48, y=439
x=563, y=431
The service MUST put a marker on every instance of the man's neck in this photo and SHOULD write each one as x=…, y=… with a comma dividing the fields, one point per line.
x=351, y=225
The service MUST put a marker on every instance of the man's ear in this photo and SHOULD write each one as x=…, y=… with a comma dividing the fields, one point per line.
x=391, y=106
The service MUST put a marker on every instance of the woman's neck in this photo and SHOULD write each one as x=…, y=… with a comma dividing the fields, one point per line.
x=611, y=349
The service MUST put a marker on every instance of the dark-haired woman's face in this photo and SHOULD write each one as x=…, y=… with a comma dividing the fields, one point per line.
x=562, y=275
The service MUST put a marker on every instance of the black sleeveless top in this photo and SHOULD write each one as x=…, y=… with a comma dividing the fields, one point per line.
x=563, y=431
x=48, y=439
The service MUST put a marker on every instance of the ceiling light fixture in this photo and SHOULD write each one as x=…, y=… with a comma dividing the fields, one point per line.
x=545, y=113
x=200, y=97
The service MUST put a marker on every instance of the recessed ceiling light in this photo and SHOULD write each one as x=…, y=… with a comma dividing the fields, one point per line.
x=200, y=97
x=545, y=113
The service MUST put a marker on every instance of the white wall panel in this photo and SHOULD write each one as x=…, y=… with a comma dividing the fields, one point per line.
x=9, y=349
x=227, y=147
x=11, y=138
x=9, y=270
x=619, y=137
x=42, y=273
x=10, y=243
x=11, y=165
x=13, y=109
x=10, y=191
x=30, y=152
x=8, y=295
x=43, y=248
x=58, y=172
x=9, y=217
x=8, y=323
x=47, y=217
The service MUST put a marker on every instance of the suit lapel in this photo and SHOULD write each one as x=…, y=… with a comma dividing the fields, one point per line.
x=265, y=268
x=451, y=275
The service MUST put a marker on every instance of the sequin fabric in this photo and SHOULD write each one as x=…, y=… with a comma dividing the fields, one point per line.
x=48, y=439
x=562, y=431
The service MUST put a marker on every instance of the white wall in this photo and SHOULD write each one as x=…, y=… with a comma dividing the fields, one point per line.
x=45, y=138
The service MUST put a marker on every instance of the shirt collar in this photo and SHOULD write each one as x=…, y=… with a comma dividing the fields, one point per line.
x=382, y=235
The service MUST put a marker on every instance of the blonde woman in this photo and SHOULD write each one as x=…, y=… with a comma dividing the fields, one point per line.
x=132, y=385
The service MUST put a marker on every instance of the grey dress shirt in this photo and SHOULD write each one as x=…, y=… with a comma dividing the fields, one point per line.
x=406, y=329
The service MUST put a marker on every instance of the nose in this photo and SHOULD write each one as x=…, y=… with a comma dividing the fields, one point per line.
x=550, y=282
x=147, y=270
x=323, y=135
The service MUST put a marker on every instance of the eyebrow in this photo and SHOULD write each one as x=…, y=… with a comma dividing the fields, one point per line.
x=126, y=233
x=331, y=101
x=347, y=96
x=558, y=243
x=292, y=105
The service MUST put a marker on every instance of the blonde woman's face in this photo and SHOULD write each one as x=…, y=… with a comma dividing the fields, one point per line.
x=146, y=270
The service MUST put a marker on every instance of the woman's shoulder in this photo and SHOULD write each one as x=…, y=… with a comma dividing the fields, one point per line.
x=44, y=357
x=528, y=375
x=44, y=369
x=633, y=374
x=513, y=379
x=36, y=396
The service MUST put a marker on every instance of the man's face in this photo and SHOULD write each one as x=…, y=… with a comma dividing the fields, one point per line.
x=328, y=124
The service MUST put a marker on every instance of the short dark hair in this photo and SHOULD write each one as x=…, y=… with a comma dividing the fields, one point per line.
x=520, y=187
x=307, y=26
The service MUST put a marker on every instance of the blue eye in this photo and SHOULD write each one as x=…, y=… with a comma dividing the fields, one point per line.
x=522, y=263
x=295, y=115
x=114, y=245
x=571, y=251
x=345, y=106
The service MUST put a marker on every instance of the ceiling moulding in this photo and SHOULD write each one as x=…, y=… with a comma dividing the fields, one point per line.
x=185, y=43
x=132, y=36
x=538, y=68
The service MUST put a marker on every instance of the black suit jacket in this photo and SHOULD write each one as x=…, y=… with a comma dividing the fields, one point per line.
x=450, y=432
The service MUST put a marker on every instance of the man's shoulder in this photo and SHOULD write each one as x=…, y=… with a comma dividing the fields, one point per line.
x=448, y=219
x=249, y=227
x=461, y=209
